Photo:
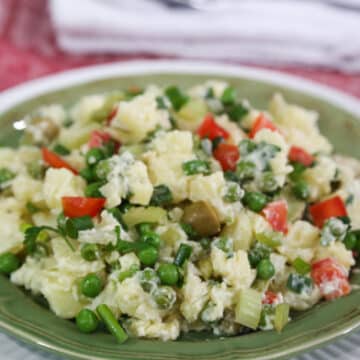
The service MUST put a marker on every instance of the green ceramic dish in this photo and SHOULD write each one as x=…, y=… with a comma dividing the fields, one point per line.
x=22, y=316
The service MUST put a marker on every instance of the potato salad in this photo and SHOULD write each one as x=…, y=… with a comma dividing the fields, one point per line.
x=158, y=211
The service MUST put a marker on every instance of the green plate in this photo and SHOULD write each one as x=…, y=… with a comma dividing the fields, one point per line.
x=28, y=320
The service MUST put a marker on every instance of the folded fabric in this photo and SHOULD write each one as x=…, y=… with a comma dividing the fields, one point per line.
x=276, y=32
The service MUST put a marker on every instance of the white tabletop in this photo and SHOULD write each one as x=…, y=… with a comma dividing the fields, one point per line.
x=344, y=349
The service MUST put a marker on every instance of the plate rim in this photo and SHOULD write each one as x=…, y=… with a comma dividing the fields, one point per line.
x=47, y=83
x=34, y=88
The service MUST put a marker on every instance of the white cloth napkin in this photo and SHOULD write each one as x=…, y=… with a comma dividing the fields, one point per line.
x=285, y=32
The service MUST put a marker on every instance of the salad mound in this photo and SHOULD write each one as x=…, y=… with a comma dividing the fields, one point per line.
x=160, y=211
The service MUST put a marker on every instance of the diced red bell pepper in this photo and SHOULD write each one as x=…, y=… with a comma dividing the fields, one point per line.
x=210, y=129
x=331, y=278
x=324, y=210
x=270, y=298
x=98, y=138
x=298, y=154
x=262, y=122
x=55, y=160
x=112, y=114
x=227, y=155
x=76, y=206
x=276, y=214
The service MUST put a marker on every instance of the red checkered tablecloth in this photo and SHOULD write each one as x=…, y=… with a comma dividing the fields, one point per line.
x=28, y=50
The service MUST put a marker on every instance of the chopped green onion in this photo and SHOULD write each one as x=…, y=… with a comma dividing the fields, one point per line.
x=228, y=97
x=164, y=297
x=31, y=208
x=237, y=112
x=61, y=150
x=88, y=174
x=298, y=170
x=234, y=192
x=245, y=170
x=161, y=196
x=36, y=170
x=247, y=146
x=93, y=156
x=111, y=323
x=5, y=176
x=301, y=266
x=176, y=97
x=248, y=309
x=161, y=104
x=301, y=190
x=189, y=230
x=268, y=183
x=74, y=225
x=299, y=284
x=92, y=190
x=193, y=167
x=133, y=269
x=281, y=316
x=149, y=280
x=183, y=253
x=350, y=240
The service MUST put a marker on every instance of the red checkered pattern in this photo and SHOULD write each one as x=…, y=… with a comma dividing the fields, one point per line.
x=28, y=50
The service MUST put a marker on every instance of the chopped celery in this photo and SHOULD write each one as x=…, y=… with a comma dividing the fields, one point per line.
x=281, y=316
x=248, y=308
x=192, y=113
x=151, y=214
x=135, y=149
x=301, y=266
x=271, y=239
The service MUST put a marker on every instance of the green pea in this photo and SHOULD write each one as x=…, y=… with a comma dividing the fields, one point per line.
x=9, y=263
x=301, y=190
x=102, y=169
x=168, y=274
x=265, y=269
x=148, y=256
x=93, y=156
x=268, y=183
x=89, y=252
x=87, y=321
x=350, y=240
x=92, y=190
x=151, y=238
x=255, y=201
x=245, y=170
x=164, y=297
x=91, y=285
